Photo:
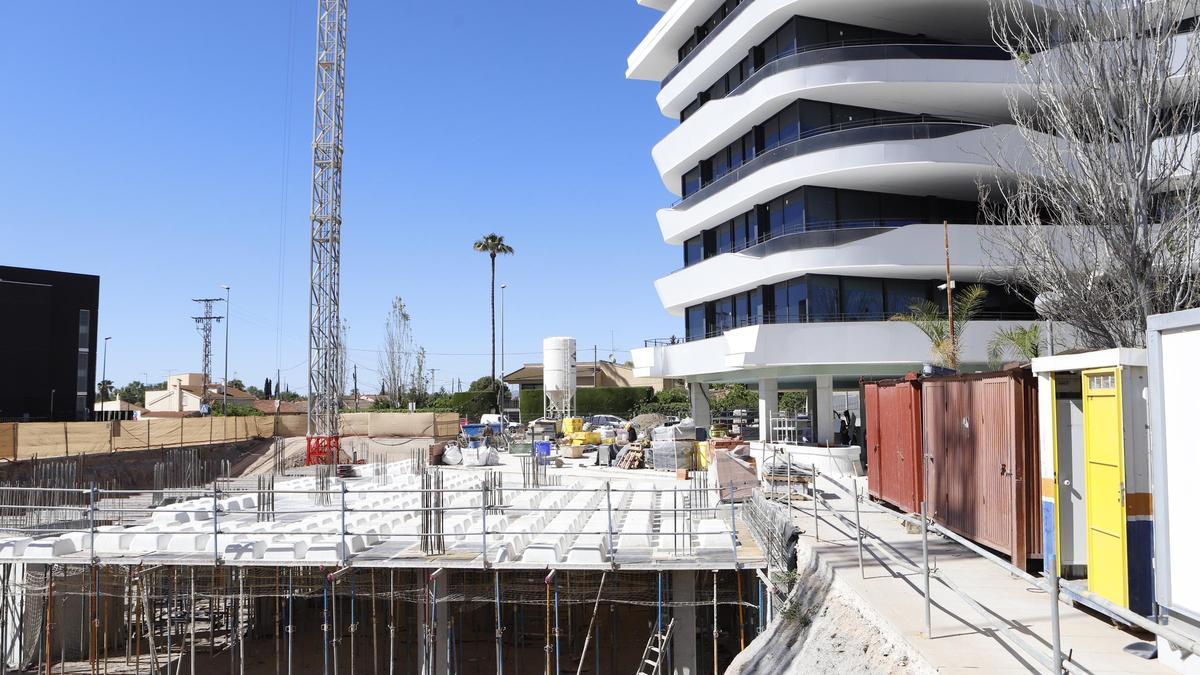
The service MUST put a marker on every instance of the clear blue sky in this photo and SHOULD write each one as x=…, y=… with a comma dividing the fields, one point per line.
x=148, y=142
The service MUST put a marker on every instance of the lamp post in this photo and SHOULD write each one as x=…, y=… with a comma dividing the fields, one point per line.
x=103, y=375
x=225, y=380
x=500, y=393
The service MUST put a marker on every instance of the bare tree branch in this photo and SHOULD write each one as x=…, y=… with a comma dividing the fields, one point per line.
x=1099, y=218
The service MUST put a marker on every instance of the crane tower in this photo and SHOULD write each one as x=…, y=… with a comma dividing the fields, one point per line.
x=324, y=322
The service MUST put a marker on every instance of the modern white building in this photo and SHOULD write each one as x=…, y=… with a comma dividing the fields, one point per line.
x=820, y=146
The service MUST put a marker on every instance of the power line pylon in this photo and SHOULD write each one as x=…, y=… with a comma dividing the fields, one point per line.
x=324, y=322
x=204, y=324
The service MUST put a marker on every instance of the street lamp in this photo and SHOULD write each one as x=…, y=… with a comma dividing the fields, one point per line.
x=225, y=382
x=104, y=375
x=500, y=393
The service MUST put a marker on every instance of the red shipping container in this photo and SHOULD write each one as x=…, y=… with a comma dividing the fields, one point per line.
x=894, y=448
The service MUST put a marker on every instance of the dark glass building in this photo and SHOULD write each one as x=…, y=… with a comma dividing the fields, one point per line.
x=47, y=344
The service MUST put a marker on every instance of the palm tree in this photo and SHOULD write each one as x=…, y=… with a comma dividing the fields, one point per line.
x=1025, y=341
x=493, y=245
x=929, y=318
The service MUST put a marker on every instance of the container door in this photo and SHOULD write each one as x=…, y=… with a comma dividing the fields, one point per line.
x=871, y=406
x=1105, y=485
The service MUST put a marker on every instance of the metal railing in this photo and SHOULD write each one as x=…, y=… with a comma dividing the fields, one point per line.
x=891, y=128
x=335, y=516
x=1055, y=661
x=862, y=50
x=702, y=43
x=814, y=235
x=773, y=318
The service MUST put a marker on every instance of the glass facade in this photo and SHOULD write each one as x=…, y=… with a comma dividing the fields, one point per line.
x=798, y=34
x=813, y=208
x=799, y=119
x=710, y=24
x=815, y=298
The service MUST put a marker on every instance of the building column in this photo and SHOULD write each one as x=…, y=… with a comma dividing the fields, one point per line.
x=824, y=424
x=768, y=407
x=701, y=412
x=683, y=634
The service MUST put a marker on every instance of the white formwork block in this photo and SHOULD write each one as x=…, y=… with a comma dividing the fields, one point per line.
x=108, y=538
x=589, y=549
x=50, y=547
x=715, y=541
x=501, y=552
x=324, y=551
x=147, y=541
x=544, y=551
x=13, y=547
x=245, y=550
x=357, y=543
x=285, y=549
x=81, y=540
x=189, y=543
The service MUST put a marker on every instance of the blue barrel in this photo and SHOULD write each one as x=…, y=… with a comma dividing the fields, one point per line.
x=541, y=448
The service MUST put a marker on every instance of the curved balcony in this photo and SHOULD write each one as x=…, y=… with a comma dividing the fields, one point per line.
x=895, y=128
x=912, y=251
x=849, y=52
x=754, y=21
x=944, y=158
x=851, y=348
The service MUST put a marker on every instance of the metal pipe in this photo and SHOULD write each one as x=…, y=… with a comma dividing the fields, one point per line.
x=1055, y=628
x=499, y=631
x=557, y=635
x=925, y=570
x=862, y=570
x=715, y=632
x=816, y=516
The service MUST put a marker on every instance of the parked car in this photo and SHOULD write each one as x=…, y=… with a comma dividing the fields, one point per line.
x=608, y=421
x=501, y=421
x=671, y=420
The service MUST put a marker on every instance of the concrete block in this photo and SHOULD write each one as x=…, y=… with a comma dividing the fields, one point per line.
x=13, y=547
x=245, y=550
x=50, y=547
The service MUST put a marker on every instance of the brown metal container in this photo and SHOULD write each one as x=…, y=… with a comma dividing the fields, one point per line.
x=980, y=436
x=893, y=419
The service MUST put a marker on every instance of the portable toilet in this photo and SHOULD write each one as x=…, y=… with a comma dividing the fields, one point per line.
x=1097, y=515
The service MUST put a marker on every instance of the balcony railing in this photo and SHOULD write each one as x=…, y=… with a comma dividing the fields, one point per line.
x=816, y=235
x=863, y=50
x=772, y=318
x=707, y=38
x=892, y=128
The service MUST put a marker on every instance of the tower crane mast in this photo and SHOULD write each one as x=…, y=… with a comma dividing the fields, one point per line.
x=324, y=316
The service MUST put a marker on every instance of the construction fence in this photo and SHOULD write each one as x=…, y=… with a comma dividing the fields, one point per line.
x=24, y=440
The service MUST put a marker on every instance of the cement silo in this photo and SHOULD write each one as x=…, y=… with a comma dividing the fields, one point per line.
x=558, y=377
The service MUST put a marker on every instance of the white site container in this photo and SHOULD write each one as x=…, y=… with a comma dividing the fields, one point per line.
x=1174, y=401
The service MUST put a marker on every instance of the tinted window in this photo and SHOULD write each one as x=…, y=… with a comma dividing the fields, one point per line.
x=693, y=250
x=823, y=298
x=695, y=322
x=793, y=211
x=822, y=207
x=857, y=208
x=724, y=238
x=691, y=181
x=723, y=314
x=902, y=294
x=862, y=299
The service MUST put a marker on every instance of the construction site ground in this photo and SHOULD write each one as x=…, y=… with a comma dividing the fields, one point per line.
x=962, y=639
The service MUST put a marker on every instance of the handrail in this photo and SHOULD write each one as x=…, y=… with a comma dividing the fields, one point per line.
x=1186, y=642
x=769, y=318
x=862, y=50
x=898, y=127
x=675, y=70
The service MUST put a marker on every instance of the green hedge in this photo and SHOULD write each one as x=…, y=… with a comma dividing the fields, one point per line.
x=472, y=404
x=621, y=401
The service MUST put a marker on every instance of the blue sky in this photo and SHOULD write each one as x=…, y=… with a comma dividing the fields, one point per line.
x=156, y=144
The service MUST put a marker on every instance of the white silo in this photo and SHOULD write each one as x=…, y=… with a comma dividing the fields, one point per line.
x=558, y=377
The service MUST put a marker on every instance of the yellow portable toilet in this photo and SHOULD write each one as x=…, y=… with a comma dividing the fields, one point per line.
x=1096, y=505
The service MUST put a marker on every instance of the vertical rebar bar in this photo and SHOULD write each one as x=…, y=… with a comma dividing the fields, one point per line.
x=815, y=496
x=499, y=630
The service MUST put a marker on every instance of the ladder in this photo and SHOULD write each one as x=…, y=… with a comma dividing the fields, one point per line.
x=656, y=647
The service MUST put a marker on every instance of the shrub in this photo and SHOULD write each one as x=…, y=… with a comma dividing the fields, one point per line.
x=623, y=401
